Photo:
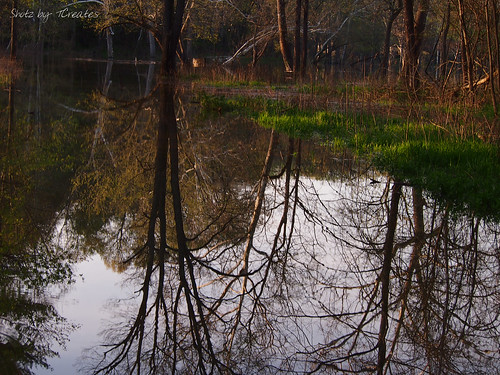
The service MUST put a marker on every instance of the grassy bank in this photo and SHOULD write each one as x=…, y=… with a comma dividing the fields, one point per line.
x=463, y=171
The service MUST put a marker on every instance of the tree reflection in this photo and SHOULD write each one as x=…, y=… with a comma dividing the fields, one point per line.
x=247, y=261
x=431, y=318
x=30, y=260
x=248, y=257
x=265, y=269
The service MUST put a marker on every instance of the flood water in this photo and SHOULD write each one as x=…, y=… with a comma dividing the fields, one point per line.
x=292, y=259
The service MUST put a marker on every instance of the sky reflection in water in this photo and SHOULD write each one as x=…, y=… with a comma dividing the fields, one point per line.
x=88, y=303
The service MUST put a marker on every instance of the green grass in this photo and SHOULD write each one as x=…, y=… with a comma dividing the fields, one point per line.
x=237, y=105
x=463, y=172
x=236, y=84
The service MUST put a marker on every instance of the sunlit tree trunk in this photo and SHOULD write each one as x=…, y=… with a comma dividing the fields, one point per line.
x=496, y=39
x=183, y=50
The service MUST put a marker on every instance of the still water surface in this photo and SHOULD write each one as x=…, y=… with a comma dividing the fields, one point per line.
x=89, y=303
x=295, y=260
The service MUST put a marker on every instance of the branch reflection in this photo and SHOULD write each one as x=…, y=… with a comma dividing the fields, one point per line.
x=254, y=260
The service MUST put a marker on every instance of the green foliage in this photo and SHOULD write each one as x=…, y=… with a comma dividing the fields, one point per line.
x=237, y=84
x=463, y=172
x=35, y=179
x=238, y=105
x=311, y=88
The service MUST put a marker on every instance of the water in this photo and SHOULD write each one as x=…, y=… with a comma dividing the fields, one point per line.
x=280, y=271
x=89, y=303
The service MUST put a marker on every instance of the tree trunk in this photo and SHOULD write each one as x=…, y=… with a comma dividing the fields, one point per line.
x=13, y=33
x=467, y=62
x=296, y=41
x=496, y=40
x=109, y=43
x=443, y=66
x=305, y=27
x=282, y=30
x=384, y=66
x=109, y=33
x=13, y=53
x=409, y=54
x=414, y=30
x=491, y=58
x=152, y=45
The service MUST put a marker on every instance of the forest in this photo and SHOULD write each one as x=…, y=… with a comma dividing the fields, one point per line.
x=448, y=45
x=249, y=187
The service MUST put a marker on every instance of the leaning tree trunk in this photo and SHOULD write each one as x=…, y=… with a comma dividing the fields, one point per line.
x=108, y=32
